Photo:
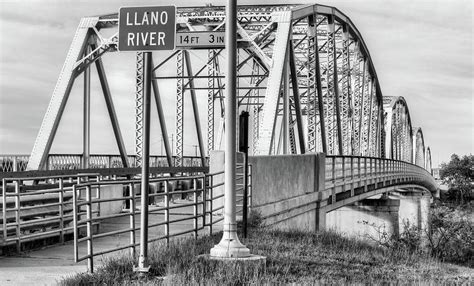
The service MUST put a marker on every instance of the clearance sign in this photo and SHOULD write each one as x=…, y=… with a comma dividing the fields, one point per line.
x=147, y=28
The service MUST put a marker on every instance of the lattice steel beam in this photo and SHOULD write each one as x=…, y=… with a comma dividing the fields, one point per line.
x=346, y=101
x=211, y=68
x=179, y=108
x=139, y=109
x=335, y=85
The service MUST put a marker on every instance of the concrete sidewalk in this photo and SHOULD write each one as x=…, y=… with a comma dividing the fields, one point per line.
x=48, y=265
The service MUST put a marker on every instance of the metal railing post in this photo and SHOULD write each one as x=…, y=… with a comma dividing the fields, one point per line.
x=97, y=195
x=61, y=210
x=15, y=168
x=365, y=174
x=4, y=209
x=250, y=186
x=352, y=176
x=74, y=222
x=167, y=213
x=17, y=216
x=132, y=219
x=195, y=209
x=205, y=226
x=211, y=203
x=90, y=259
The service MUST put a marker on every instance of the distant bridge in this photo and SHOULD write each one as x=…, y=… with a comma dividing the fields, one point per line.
x=306, y=77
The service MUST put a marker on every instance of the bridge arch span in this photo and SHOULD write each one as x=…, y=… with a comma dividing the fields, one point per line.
x=428, y=165
x=398, y=129
x=418, y=147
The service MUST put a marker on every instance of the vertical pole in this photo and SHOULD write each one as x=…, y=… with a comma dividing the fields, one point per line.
x=195, y=208
x=87, y=115
x=230, y=246
x=61, y=210
x=4, y=209
x=143, y=259
x=132, y=218
x=90, y=259
x=211, y=200
x=74, y=222
x=167, y=212
x=17, y=216
x=244, y=147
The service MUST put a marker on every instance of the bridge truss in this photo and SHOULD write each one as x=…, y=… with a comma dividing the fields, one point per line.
x=304, y=73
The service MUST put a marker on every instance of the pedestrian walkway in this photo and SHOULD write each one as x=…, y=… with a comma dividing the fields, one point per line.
x=48, y=265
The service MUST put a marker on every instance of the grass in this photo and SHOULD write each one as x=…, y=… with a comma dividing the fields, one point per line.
x=292, y=257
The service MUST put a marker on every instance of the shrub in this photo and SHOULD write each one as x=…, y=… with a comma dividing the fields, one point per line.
x=451, y=236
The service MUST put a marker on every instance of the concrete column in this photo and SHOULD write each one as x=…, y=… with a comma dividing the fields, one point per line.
x=410, y=213
x=424, y=217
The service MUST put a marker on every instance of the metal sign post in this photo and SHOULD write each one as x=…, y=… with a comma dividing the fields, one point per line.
x=146, y=29
x=230, y=246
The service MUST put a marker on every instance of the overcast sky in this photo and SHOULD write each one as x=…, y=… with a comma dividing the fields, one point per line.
x=422, y=50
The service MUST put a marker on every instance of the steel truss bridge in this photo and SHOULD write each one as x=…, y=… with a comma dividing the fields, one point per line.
x=305, y=76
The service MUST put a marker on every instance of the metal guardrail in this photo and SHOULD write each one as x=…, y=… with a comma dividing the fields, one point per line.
x=37, y=212
x=18, y=163
x=38, y=204
x=86, y=211
x=349, y=176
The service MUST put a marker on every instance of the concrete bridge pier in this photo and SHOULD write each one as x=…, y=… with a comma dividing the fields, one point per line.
x=374, y=218
x=381, y=216
x=414, y=211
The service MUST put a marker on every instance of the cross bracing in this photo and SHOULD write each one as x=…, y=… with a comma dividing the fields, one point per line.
x=304, y=73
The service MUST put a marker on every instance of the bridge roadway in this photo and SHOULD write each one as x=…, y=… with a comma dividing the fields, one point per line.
x=48, y=265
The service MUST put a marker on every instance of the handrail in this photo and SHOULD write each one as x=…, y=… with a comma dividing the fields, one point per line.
x=204, y=206
x=349, y=178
